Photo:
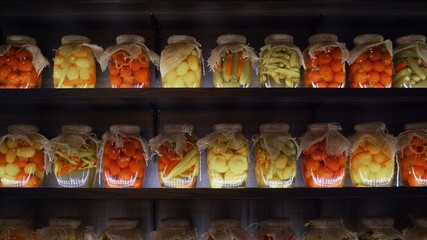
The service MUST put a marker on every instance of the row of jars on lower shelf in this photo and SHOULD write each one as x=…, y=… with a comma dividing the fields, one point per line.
x=221, y=229
x=122, y=156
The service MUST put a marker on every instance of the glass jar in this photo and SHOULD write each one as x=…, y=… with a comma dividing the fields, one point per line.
x=178, y=156
x=275, y=229
x=325, y=62
x=412, y=154
x=418, y=231
x=21, y=63
x=379, y=229
x=65, y=229
x=324, y=151
x=174, y=229
x=15, y=229
x=372, y=155
x=129, y=62
x=74, y=156
x=74, y=63
x=328, y=229
x=410, y=62
x=125, y=155
x=225, y=229
x=280, y=62
x=180, y=63
x=275, y=156
x=227, y=156
x=22, y=157
x=231, y=62
x=122, y=229
x=371, y=62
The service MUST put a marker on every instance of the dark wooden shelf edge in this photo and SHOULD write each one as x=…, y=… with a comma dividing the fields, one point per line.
x=205, y=193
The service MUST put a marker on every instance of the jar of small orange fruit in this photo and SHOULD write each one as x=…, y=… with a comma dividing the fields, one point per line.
x=22, y=157
x=15, y=229
x=124, y=157
x=412, y=154
x=129, y=62
x=371, y=62
x=325, y=62
x=21, y=63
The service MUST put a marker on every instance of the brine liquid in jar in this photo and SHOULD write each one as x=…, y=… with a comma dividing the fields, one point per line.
x=328, y=229
x=15, y=229
x=275, y=229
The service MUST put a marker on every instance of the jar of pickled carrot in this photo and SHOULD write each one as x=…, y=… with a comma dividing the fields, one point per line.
x=64, y=228
x=412, y=154
x=174, y=228
x=231, y=62
x=227, y=156
x=225, y=229
x=379, y=229
x=22, y=157
x=410, y=62
x=181, y=63
x=74, y=156
x=124, y=157
x=129, y=62
x=324, y=151
x=74, y=63
x=178, y=156
x=275, y=229
x=280, y=62
x=371, y=62
x=418, y=231
x=21, y=63
x=275, y=156
x=118, y=229
x=15, y=229
x=328, y=229
x=372, y=155
x=325, y=62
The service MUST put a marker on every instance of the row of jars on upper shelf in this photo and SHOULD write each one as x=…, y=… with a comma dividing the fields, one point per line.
x=122, y=155
x=372, y=63
x=221, y=229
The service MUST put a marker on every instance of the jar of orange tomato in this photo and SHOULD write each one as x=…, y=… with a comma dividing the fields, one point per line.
x=325, y=62
x=22, y=157
x=21, y=63
x=412, y=154
x=74, y=63
x=371, y=62
x=129, y=62
x=15, y=229
x=324, y=151
x=124, y=157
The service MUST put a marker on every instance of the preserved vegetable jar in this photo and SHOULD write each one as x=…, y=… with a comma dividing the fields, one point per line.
x=328, y=229
x=227, y=156
x=325, y=62
x=280, y=63
x=178, y=156
x=122, y=229
x=181, y=63
x=275, y=229
x=129, y=62
x=372, y=154
x=225, y=229
x=412, y=154
x=22, y=157
x=74, y=156
x=418, y=231
x=65, y=229
x=74, y=63
x=379, y=229
x=371, y=62
x=410, y=62
x=21, y=63
x=15, y=229
x=324, y=151
x=232, y=62
x=275, y=156
x=124, y=158
x=174, y=229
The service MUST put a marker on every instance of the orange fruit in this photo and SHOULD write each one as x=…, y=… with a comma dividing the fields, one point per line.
x=135, y=64
x=386, y=59
x=113, y=69
x=373, y=77
x=134, y=166
x=123, y=162
x=114, y=168
x=339, y=77
x=379, y=66
x=324, y=58
x=360, y=77
x=125, y=175
x=361, y=58
x=115, y=81
x=367, y=65
x=23, y=54
x=375, y=54
x=385, y=79
x=311, y=63
x=337, y=54
x=142, y=76
x=336, y=65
